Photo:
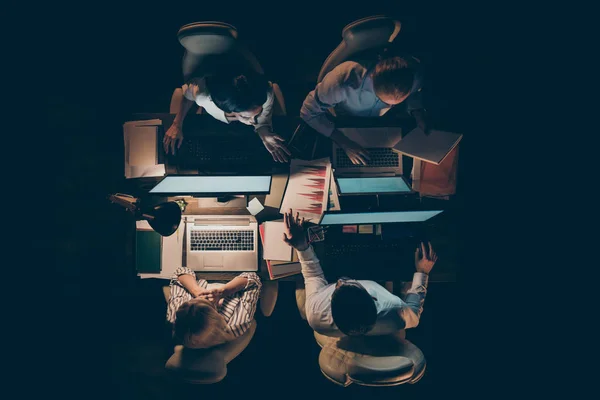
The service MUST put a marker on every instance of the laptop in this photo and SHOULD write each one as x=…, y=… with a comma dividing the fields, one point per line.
x=379, y=142
x=221, y=243
x=354, y=243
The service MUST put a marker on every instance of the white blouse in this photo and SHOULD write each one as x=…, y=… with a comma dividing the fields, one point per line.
x=195, y=90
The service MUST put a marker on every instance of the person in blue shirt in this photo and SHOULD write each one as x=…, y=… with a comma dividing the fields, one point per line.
x=367, y=89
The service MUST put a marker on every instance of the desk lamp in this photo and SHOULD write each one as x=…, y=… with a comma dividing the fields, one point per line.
x=164, y=218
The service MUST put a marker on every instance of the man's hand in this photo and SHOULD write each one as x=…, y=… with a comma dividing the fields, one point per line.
x=173, y=136
x=355, y=152
x=275, y=145
x=294, y=234
x=425, y=258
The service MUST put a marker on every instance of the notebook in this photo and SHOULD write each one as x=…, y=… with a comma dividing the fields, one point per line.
x=432, y=148
x=148, y=249
x=274, y=248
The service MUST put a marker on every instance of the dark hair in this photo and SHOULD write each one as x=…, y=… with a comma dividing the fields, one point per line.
x=393, y=76
x=353, y=310
x=237, y=91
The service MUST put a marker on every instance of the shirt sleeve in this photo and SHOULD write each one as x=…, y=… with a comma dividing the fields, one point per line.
x=246, y=307
x=327, y=93
x=178, y=293
x=265, y=119
x=415, y=297
x=314, y=279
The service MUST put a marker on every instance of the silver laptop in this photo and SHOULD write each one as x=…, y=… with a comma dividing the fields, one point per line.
x=221, y=242
x=379, y=142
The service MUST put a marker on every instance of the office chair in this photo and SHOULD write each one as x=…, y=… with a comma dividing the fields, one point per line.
x=205, y=366
x=383, y=360
x=207, y=46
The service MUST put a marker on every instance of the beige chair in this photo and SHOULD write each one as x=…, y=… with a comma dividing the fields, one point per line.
x=207, y=46
x=204, y=366
x=385, y=360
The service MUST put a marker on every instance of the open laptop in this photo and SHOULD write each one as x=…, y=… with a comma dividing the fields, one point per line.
x=218, y=242
x=379, y=142
x=389, y=250
x=221, y=243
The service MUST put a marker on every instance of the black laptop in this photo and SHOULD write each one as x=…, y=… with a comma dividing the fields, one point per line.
x=375, y=244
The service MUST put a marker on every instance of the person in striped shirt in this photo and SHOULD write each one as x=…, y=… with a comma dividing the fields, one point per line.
x=208, y=314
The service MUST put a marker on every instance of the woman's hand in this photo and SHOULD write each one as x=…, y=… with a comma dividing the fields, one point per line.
x=173, y=136
x=355, y=152
x=275, y=145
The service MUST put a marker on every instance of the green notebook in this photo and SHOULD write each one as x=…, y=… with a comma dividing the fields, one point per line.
x=147, y=251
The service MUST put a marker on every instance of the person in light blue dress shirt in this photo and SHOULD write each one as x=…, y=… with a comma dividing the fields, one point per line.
x=365, y=89
x=356, y=307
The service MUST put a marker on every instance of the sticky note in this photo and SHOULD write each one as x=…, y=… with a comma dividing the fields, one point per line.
x=349, y=229
x=365, y=229
x=254, y=206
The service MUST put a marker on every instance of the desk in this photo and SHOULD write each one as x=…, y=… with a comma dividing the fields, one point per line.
x=139, y=188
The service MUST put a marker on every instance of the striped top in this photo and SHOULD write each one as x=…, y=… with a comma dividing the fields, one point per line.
x=237, y=309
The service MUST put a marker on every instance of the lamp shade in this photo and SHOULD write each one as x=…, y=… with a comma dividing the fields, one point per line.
x=164, y=218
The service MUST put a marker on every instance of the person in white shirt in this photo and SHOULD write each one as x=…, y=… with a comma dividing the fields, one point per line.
x=230, y=96
x=356, y=307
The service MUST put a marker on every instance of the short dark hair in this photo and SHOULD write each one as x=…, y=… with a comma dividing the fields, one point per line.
x=353, y=310
x=237, y=91
x=393, y=76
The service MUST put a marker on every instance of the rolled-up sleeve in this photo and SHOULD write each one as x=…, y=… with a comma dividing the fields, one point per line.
x=327, y=93
x=178, y=294
x=250, y=297
x=192, y=88
x=265, y=119
x=415, y=298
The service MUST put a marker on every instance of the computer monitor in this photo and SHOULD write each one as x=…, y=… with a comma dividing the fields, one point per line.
x=373, y=185
x=212, y=186
x=380, y=217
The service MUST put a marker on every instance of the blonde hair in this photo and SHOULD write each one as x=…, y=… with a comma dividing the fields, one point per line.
x=198, y=325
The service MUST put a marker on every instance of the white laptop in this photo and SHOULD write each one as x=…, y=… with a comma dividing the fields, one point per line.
x=221, y=242
x=379, y=142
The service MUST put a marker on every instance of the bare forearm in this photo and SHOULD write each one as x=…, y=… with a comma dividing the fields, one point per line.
x=184, y=108
x=234, y=286
x=190, y=284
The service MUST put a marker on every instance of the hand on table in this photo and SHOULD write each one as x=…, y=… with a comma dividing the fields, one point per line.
x=425, y=258
x=173, y=136
x=294, y=234
x=355, y=152
x=275, y=145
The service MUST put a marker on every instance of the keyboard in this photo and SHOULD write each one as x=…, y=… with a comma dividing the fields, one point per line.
x=223, y=153
x=222, y=240
x=379, y=157
x=363, y=249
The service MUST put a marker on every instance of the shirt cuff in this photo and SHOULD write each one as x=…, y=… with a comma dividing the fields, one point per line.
x=419, y=279
x=306, y=255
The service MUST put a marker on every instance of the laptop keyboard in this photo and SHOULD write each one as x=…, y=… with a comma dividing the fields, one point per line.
x=223, y=153
x=222, y=240
x=379, y=157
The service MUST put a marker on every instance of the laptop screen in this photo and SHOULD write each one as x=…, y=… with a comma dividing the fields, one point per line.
x=212, y=185
x=373, y=185
x=377, y=217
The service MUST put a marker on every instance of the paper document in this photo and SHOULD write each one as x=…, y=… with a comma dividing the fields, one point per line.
x=307, y=191
x=274, y=247
x=334, y=201
x=273, y=199
x=432, y=148
x=141, y=149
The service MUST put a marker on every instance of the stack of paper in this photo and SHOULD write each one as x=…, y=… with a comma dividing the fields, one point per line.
x=281, y=259
x=307, y=190
x=141, y=149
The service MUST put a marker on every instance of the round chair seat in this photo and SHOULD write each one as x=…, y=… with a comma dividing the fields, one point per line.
x=207, y=37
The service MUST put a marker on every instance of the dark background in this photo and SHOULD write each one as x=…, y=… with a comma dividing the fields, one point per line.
x=111, y=61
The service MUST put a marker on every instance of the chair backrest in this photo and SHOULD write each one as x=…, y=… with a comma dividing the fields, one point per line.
x=359, y=36
x=210, y=45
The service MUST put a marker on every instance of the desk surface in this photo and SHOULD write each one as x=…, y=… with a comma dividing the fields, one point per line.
x=140, y=187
